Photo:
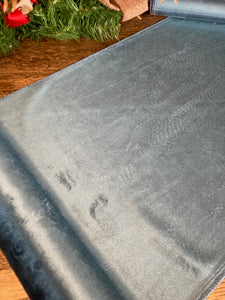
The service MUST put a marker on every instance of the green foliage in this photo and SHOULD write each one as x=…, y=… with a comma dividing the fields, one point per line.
x=63, y=20
x=7, y=37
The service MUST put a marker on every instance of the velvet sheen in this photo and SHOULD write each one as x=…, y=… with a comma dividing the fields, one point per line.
x=210, y=10
x=112, y=170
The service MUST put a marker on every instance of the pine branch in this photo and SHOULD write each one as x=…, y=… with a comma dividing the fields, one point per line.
x=8, y=40
x=63, y=20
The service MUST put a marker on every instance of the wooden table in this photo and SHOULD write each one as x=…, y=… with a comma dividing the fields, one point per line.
x=32, y=62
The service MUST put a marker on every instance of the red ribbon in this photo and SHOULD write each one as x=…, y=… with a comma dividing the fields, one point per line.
x=17, y=18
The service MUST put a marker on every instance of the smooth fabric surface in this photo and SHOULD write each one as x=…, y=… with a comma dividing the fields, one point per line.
x=210, y=10
x=112, y=171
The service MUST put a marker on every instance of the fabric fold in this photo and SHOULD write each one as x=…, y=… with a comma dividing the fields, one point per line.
x=207, y=10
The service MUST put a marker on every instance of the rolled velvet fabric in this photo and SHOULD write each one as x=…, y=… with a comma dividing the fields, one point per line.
x=129, y=8
x=209, y=10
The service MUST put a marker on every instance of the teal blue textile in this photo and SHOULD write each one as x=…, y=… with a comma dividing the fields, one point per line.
x=112, y=171
x=209, y=10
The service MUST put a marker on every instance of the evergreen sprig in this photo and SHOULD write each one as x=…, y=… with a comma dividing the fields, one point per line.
x=8, y=39
x=63, y=20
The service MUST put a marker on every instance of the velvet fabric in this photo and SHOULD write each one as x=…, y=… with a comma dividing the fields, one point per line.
x=210, y=10
x=112, y=170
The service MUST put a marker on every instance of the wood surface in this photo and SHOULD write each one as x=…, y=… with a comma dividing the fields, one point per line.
x=32, y=62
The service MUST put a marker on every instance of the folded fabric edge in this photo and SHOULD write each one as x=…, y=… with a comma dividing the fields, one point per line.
x=32, y=229
x=26, y=263
x=212, y=283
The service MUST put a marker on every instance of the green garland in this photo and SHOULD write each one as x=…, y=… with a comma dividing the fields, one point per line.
x=63, y=20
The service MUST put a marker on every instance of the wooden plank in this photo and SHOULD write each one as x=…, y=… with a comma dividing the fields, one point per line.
x=10, y=287
x=218, y=293
x=32, y=62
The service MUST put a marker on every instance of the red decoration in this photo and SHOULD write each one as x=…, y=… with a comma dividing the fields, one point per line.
x=17, y=18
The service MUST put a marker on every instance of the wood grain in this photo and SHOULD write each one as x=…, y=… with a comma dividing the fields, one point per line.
x=32, y=62
x=10, y=287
